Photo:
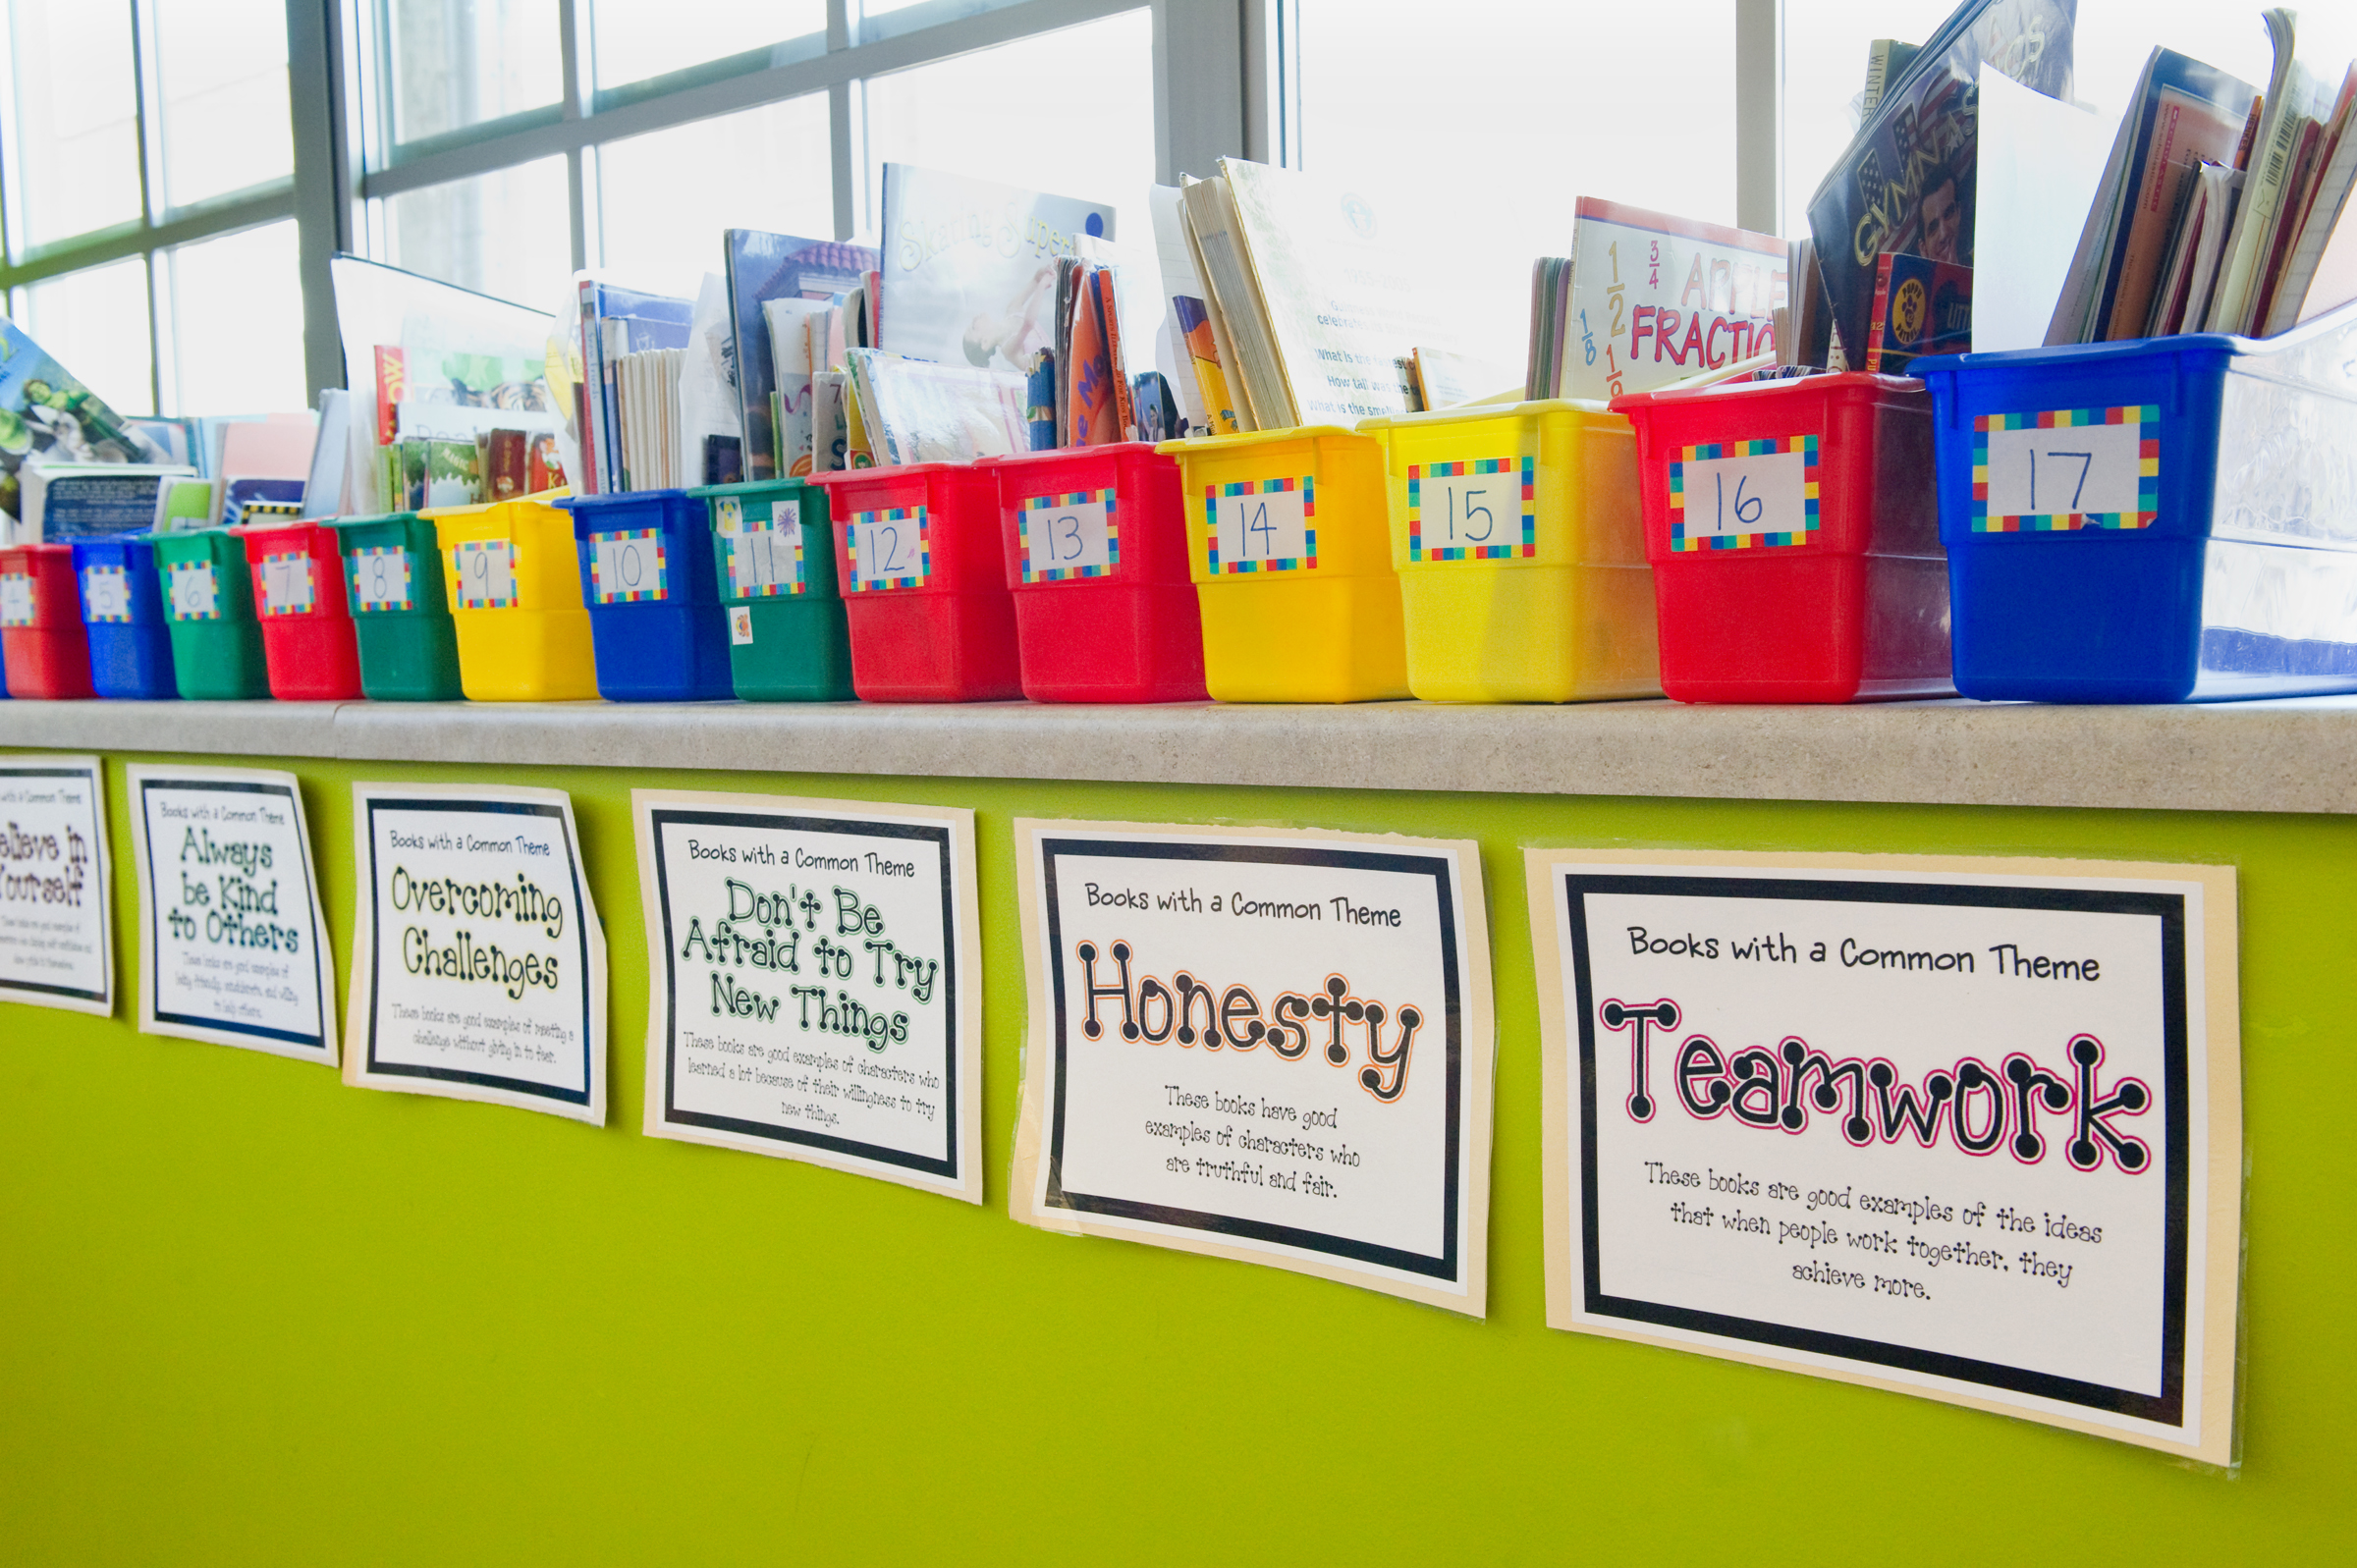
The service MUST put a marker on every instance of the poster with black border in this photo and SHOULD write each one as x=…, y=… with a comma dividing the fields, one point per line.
x=478, y=965
x=233, y=948
x=1964, y=1128
x=814, y=982
x=1266, y=1044
x=57, y=935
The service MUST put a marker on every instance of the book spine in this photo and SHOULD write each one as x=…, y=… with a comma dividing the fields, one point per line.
x=593, y=442
x=1881, y=313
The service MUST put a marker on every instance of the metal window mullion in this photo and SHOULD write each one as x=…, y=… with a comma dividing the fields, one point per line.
x=1759, y=149
x=576, y=66
x=148, y=133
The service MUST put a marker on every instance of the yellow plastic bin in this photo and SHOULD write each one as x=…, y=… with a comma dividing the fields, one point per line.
x=1518, y=533
x=1285, y=544
x=515, y=589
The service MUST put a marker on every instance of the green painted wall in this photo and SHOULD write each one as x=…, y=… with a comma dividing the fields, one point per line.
x=250, y=1316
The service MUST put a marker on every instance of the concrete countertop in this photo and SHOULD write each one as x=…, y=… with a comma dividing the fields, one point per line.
x=2294, y=755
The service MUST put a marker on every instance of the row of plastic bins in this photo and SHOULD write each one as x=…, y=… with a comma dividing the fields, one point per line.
x=2140, y=521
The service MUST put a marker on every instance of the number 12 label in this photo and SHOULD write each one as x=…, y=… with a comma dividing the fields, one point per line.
x=1262, y=525
x=889, y=549
x=1070, y=536
x=2065, y=469
x=1741, y=495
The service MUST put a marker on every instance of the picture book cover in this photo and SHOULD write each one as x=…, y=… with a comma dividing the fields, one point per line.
x=1920, y=307
x=969, y=267
x=1908, y=179
x=46, y=412
x=1656, y=298
x=762, y=267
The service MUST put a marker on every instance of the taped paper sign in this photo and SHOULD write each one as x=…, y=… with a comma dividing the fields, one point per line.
x=478, y=966
x=1260, y=1044
x=816, y=987
x=56, y=935
x=233, y=949
x=1966, y=1129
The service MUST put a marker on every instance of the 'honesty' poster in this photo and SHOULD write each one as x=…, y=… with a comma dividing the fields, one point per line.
x=56, y=939
x=478, y=966
x=233, y=949
x=815, y=983
x=1966, y=1129
x=1266, y=1045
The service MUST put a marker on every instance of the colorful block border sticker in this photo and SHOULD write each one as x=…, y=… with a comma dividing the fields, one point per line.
x=924, y=547
x=738, y=537
x=194, y=572
x=1417, y=473
x=400, y=558
x=271, y=612
x=121, y=576
x=1767, y=447
x=2145, y=416
x=627, y=596
x=506, y=548
x=1307, y=561
x=1077, y=498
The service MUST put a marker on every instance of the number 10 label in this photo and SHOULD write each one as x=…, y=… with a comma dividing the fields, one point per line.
x=1739, y=495
x=1070, y=536
x=2065, y=469
x=1263, y=525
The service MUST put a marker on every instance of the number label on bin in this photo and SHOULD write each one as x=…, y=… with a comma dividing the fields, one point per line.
x=486, y=573
x=1262, y=525
x=196, y=595
x=1068, y=536
x=627, y=567
x=287, y=586
x=106, y=594
x=1483, y=508
x=2063, y=469
x=764, y=557
x=380, y=578
x=1734, y=495
x=889, y=549
x=16, y=600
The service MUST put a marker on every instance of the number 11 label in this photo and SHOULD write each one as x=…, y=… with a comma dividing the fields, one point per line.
x=1070, y=536
x=2065, y=469
x=1742, y=495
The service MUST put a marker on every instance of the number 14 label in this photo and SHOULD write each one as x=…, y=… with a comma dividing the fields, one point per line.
x=1263, y=525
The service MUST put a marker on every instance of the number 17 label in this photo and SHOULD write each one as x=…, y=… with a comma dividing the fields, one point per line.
x=2065, y=469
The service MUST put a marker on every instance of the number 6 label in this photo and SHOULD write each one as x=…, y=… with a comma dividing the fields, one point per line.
x=2065, y=469
x=1742, y=495
x=1076, y=536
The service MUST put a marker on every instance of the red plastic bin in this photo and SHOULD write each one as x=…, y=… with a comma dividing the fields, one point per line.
x=46, y=647
x=309, y=643
x=1793, y=531
x=916, y=555
x=1095, y=547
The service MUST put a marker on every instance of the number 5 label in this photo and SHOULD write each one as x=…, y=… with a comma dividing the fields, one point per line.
x=1070, y=536
x=1262, y=525
x=1740, y=495
x=2065, y=469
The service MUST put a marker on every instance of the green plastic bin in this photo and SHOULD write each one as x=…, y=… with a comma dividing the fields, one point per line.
x=789, y=640
x=208, y=607
x=408, y=642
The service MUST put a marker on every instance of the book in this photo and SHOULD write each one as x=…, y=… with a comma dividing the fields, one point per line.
x=1203, y=360
x=2195, y=241
x=616, y=322
x=84, y=500
x=1906, y=181
x=46, y=412
x=2294, y=96
x=2181, y=113
x=786, y=432
x=969, y=267
x=927, y=413
x=2326, y=207
x=1653, y=298
x=1887, y=60
x=1446, y=379
x=1920, y=307
x=772, y=268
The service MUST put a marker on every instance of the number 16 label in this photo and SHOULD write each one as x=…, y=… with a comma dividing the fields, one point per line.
x=2065, y=469
x=1738, y=495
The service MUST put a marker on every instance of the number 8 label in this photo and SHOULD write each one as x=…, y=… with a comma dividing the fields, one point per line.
x=380, y=578
x=1743, y=495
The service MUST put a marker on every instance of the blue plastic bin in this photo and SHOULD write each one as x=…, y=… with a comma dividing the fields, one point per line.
x=2159, y=520
x=655, y=617
x=123, y=606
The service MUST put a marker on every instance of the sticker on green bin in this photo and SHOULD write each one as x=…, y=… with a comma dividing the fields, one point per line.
x=763, y=555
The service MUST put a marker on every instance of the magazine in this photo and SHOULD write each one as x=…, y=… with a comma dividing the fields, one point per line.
x=765, y=267
x=969, y=267
x=46, y=412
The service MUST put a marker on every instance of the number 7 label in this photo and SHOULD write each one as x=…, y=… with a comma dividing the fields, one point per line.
x=2067, y=470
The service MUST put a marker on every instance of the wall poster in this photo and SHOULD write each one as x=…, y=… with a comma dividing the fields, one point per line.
x=816, y=987
x=1969, y=1129
x=57, y=939
x=233, y=949
x=1266, y=1043
x=478, y=965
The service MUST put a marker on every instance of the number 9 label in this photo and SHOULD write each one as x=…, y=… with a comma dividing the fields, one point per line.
x=1743, y=495
x=486, y=570
x=1068, y=536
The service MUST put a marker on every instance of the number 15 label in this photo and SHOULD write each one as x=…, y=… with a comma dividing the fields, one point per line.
x=2065, y=469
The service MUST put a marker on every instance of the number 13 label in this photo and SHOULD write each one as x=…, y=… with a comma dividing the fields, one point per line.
x=1068, y=536
x=2065, y=469
x=1262, y=525
x=1738, y=494
x=889, y=549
